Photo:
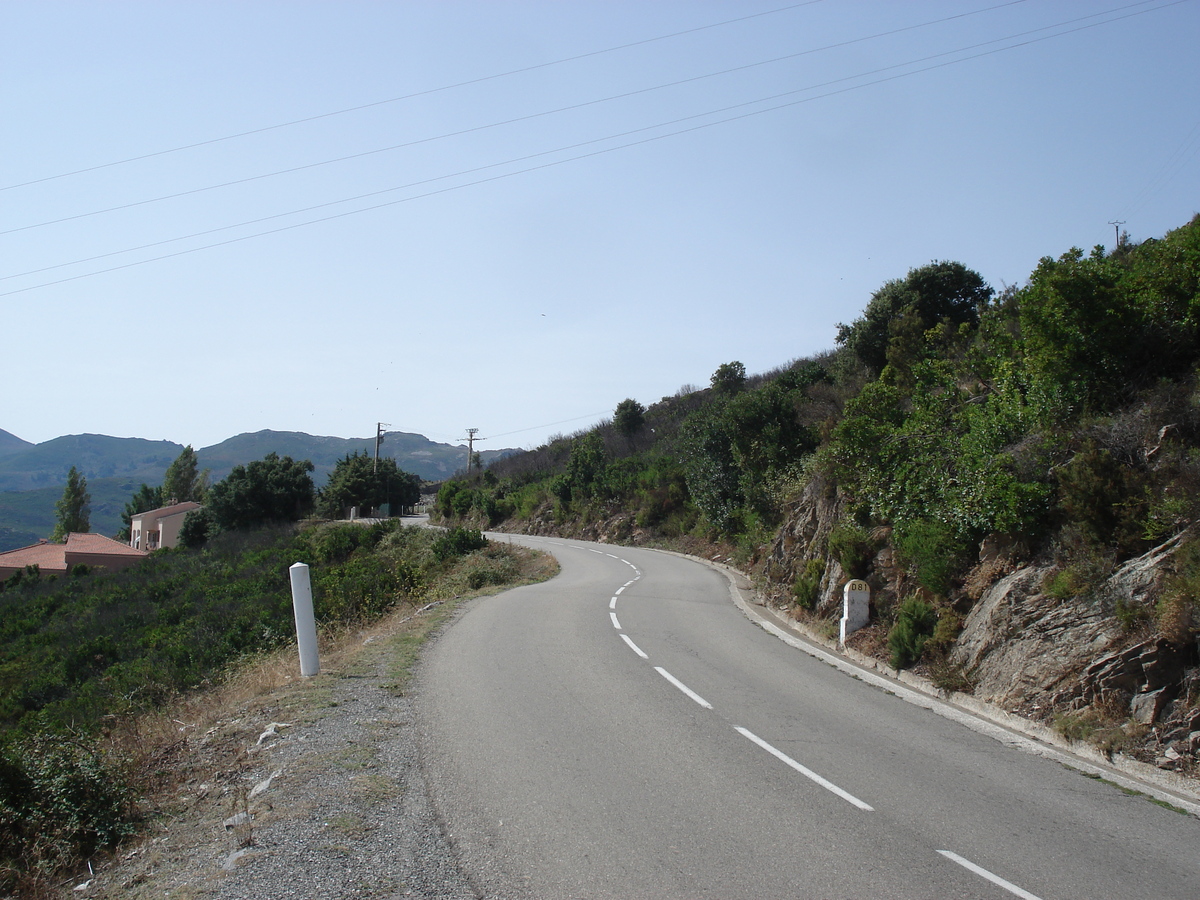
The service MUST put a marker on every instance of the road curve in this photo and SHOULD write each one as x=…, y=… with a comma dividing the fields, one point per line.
x=623, y=730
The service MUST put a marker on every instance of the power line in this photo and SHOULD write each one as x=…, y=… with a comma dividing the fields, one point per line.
x=543, y=114
x=1176, y=161
x=582, y=156
x=412, y=96
x=551, y=424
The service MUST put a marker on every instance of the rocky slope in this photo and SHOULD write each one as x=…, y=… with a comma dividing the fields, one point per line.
x=1091, y=663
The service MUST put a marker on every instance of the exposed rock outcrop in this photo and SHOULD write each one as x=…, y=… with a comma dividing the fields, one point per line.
x=1021, y=645
x=803, y=537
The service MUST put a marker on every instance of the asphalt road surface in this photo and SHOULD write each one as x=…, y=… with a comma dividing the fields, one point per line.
x=624, y=730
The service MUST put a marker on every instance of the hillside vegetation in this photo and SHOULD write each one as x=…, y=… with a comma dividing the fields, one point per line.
x=954, y=437
x=32, y=475
x=85, y=657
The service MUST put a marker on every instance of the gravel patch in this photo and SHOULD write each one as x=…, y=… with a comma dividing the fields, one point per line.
x=313, y=790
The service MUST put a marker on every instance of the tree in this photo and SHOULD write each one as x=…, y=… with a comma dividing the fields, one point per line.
x=729, y=378
x=198, y=526
x=358, y=481
x=629, y=418
x=710, y=465
x=74, y=507
x=183, y=480
x=938, y=292
x=271, y=489
x=586, y=465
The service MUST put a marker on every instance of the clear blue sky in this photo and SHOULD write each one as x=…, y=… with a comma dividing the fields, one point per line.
x=507, y=285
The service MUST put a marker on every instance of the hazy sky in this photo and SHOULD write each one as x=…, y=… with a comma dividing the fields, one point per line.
x=513, y=215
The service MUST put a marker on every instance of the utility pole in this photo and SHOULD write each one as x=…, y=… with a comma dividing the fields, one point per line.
x=1117, y=228
x=379, y=426
x=471, y=439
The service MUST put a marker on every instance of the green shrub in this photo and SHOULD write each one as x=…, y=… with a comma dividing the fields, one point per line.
x=916, y=621
x=458, y=542
x=60, y=799
x=1087, y=568
x=463, y=502
x=363, y=588
x=807, y=587
x=1177, y=612
x=946, y=632
x=931, y=552
x=851, y=545
x=1104, y=499
x=335, y=543
x=486, y=569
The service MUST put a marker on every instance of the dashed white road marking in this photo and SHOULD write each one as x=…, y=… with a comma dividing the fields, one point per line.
x=805, y=771
x=984, y=873
x=634, y=647
x=616, y=624
x=683, y=687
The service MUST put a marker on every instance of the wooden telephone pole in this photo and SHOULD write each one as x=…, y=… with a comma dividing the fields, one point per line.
x=379, y=426
x=471, y=439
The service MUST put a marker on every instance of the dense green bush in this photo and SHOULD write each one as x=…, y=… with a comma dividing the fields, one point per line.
x=853, y=547
x=1104, y=499
x=916, y=621
x=60, y=800
x=271, y=489
x=807, y=586
x=359, y=480
x=458, y=542
x=931, y=551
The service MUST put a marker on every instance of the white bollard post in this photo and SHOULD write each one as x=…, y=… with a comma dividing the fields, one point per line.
x=306, y=623
x=856, y=600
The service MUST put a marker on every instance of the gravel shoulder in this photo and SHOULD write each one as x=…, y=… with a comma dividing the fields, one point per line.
x=296, y=787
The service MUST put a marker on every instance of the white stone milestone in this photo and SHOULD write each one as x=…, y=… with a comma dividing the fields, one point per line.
x=856, y=600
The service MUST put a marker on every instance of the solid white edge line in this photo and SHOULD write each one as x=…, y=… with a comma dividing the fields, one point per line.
x=976, y=723
x=634, y=647
x=806, y=772
x=616, y=624
x=683, y=687
x=984, y=873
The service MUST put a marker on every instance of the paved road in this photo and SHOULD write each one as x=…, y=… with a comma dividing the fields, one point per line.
x=625, y=731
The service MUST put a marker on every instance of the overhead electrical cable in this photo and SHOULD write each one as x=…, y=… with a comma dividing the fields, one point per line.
x=1179, y=158
x=646, y=140
x=516, y=160
x=425, y=93
x=603, y=412
x=477, y=128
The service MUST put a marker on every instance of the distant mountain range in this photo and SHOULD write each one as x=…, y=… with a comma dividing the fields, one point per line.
x=32, y=475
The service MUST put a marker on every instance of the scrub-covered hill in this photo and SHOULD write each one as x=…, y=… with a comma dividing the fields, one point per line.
x=1015, y=474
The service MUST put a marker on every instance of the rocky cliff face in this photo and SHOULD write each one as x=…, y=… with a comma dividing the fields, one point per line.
x=1022, y=645
x=804, y=536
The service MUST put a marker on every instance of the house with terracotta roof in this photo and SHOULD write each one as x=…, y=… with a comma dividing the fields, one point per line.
x=80, y=549
x=157, y=528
